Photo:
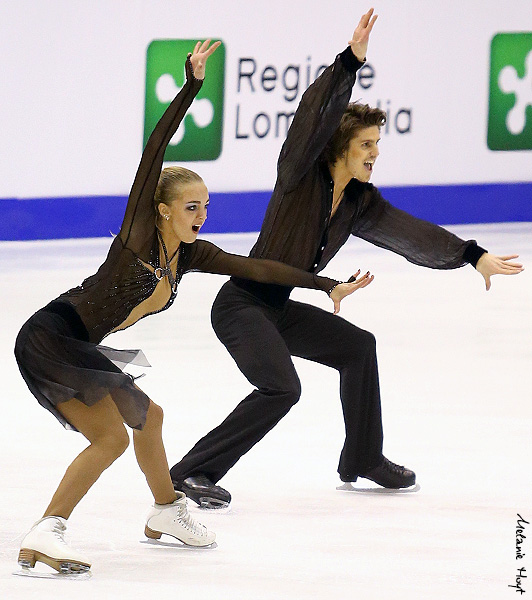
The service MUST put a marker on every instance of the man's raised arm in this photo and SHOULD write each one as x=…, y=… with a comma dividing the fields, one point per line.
x=321, y=108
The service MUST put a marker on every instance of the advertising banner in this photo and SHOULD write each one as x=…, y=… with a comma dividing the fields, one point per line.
x=85, y=83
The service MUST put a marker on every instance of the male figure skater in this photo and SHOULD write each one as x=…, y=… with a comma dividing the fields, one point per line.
x=321, y=196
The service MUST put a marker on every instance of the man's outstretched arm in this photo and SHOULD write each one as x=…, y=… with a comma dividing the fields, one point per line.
x=321, y=108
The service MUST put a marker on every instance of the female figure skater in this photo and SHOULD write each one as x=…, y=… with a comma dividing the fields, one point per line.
x=75, y=379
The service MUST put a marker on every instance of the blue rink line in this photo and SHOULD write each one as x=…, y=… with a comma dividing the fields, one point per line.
x=97, y=216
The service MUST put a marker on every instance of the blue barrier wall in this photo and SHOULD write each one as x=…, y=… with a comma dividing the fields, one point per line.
x=97, y=216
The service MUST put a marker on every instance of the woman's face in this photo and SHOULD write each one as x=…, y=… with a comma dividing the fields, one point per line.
x=187, y=212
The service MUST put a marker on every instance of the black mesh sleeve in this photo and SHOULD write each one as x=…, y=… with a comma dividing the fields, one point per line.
x=419, y=241
x=208, y=258
x=139, y=221
x=316, y=119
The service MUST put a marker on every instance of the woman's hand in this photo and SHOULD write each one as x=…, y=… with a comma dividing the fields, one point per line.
x=489, y=264
x=199, y=57
x=345, y=289
x=359, y=42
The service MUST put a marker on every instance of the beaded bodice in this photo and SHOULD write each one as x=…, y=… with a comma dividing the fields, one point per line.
x=133, y=282
x=132, y=273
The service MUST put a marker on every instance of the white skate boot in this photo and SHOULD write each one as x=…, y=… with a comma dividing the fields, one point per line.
x=175, y=520
x=46, y=543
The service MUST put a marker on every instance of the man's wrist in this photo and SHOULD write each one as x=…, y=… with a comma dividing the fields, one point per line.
x=350, y=61
x=473, y=253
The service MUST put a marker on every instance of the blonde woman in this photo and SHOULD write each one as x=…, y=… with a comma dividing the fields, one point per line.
x=76, y=379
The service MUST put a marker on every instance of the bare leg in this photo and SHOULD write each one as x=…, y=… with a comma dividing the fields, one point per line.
x=151, y=456
x=102, y=425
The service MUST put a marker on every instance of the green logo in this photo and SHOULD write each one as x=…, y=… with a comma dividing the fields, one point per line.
x=510, y=103
x=199, y=137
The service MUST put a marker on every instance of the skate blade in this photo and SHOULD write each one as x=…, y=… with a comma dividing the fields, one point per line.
x=77, y=575
x=177, y=544
x=349, y=487
x=206, y=503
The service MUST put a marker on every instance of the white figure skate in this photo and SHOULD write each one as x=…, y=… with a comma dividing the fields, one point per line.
x=175, y=520
x=46, y=543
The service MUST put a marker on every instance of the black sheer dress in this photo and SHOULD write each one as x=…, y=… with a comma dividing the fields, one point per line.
x=57, y=349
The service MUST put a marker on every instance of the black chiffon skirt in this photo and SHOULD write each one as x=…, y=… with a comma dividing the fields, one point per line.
x=58, y=363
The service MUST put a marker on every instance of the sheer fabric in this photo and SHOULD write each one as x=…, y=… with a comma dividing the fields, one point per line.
x=57, y=349
x=298, y=229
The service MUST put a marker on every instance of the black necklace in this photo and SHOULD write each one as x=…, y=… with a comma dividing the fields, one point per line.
x=166, y=271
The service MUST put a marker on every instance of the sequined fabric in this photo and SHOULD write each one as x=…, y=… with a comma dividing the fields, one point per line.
x=58, y=350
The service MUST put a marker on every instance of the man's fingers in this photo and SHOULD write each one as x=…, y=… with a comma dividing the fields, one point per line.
x=372, y=22
x=365, y=18
x=363, y=23
x=509, y=268
x=366, y=23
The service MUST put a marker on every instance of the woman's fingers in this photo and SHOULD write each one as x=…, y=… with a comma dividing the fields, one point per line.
x=203, y=47
x=213, y=48
x=362, y=282
x=353, y=277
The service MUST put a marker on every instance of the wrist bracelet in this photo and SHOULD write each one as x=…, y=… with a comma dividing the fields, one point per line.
x=331, y=290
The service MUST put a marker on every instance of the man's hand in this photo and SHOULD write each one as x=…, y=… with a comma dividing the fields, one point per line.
x=345, y=289
x=199, y=57
x=359, y=43
x=489, y=264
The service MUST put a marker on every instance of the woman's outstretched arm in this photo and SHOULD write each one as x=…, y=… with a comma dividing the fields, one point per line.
x=139, y=220
x=208, y=258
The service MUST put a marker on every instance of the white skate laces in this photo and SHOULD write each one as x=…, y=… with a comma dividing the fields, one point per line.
x=46, y=543
x=184, y=518
x=58, y=530
x=175, y=520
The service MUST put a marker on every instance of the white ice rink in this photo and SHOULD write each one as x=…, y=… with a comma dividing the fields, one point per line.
x=456, y=381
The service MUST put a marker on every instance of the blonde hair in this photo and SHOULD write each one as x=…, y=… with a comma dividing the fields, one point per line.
x=171, y=183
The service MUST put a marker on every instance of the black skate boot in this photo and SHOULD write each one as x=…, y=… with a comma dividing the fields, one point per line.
x=203, y=492
x=390, y=475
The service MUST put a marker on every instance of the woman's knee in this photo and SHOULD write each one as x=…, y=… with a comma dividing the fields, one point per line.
x=113, y=442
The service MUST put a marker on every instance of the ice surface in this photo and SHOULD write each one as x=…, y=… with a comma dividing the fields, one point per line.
x=456, y=378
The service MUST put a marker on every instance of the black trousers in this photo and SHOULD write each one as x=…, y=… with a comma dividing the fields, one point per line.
x=262, y=339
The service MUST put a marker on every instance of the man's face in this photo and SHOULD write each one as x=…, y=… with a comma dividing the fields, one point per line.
x=362, y=153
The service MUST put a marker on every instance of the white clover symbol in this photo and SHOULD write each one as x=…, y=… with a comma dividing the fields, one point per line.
x=202, y=110
x=510, y=83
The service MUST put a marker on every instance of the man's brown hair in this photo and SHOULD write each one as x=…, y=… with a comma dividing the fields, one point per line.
x=356, y=117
